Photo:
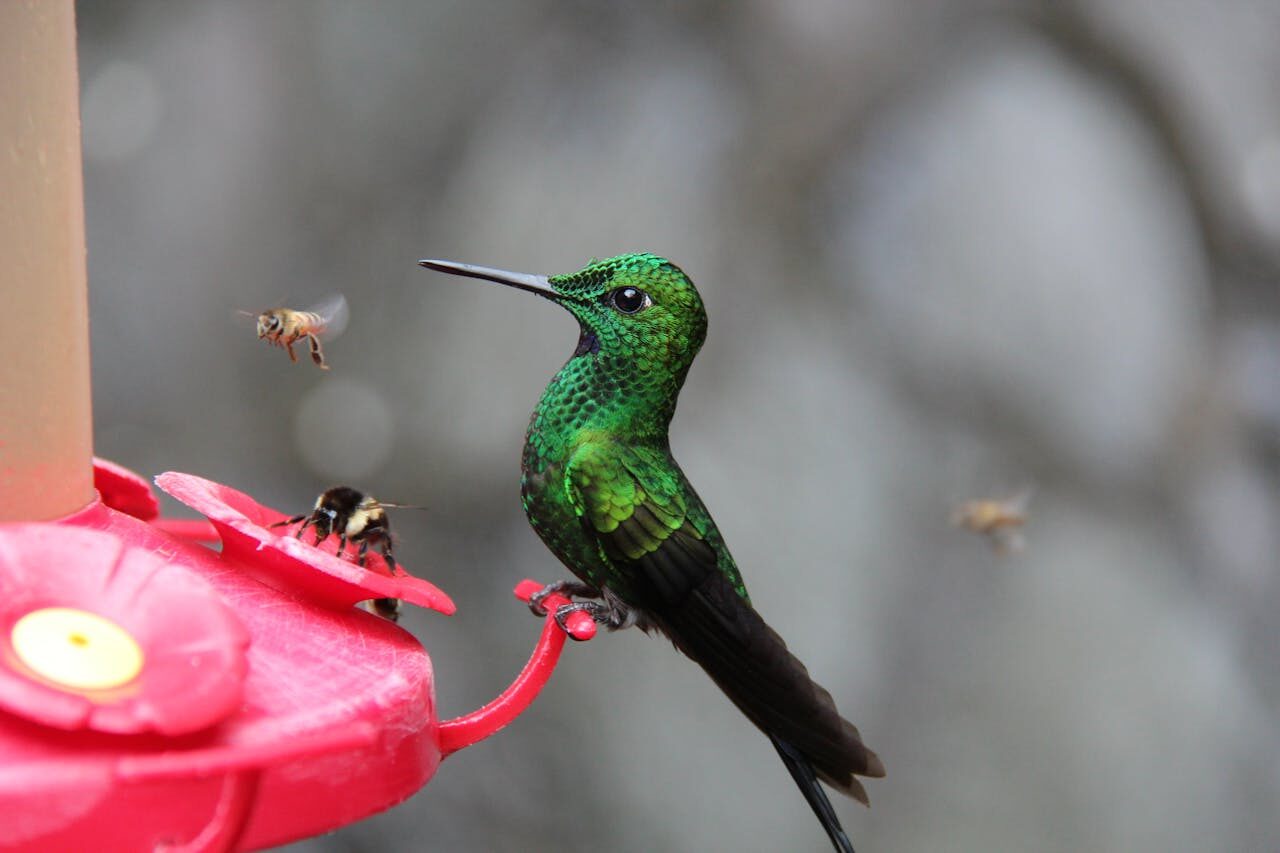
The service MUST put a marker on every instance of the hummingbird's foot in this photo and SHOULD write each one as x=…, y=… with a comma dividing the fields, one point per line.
x=611, y=613
x=569, y=589
x=600, y=613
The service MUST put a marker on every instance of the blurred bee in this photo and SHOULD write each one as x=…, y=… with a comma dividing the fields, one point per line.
x=358, y=518
x=1000, y=521
x=283, y=327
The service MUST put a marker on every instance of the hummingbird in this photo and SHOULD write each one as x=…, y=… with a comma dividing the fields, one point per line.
x=603, y=492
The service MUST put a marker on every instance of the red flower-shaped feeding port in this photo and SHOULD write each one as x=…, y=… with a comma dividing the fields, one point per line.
x=289, y=564
x=111, y=638
x=124, y=491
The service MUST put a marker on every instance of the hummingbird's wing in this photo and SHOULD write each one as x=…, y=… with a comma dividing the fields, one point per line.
x=634, y=506
x=669, y=562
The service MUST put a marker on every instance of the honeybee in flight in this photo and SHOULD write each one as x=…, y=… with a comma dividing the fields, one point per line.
x=1000, y=521
x=358, y=518
x=283, y=327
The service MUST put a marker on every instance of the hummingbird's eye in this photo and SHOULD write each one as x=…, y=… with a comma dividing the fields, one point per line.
x=629, y=300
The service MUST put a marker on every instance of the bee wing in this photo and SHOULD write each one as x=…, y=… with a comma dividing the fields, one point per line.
x=244, y=318
x=333, y=314
x=1008, y=540
x=1018, y=501
x=962, y=515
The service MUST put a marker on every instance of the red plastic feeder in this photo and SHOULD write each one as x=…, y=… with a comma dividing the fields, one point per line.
x=158, y=695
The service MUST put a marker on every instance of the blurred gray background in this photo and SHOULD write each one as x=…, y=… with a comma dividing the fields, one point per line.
x=947, y=249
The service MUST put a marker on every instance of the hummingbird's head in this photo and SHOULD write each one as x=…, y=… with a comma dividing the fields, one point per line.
x=640, y=307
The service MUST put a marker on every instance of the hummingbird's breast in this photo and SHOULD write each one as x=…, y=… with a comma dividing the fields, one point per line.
x=559, y=425
x=592, y=400
x=552, y=515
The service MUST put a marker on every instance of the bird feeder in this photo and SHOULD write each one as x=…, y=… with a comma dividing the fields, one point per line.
x=156, y=694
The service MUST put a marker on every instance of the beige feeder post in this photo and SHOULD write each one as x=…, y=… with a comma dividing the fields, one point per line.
x=46, y=428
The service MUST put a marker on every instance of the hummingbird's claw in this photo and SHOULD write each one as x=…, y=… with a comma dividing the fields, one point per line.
x=565, y=588
x=598, y=612
x=535, y=600
x=578, y=625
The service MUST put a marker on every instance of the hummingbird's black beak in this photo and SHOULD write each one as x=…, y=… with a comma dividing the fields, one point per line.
x=524, y=281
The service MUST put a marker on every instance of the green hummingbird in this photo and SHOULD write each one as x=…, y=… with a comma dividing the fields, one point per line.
x=602, y=490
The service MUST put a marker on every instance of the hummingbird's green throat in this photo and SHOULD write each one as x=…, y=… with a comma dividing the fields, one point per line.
x=602, y=490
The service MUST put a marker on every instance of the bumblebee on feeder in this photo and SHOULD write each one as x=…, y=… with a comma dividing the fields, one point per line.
x=283, y=327
x=358, y=518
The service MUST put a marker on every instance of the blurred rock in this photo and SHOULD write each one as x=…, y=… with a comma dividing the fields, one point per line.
x=1214, y=66
x=1025, y=256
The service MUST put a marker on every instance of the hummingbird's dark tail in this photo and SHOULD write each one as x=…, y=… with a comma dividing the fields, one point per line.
x=807, y=781
x=747, y=659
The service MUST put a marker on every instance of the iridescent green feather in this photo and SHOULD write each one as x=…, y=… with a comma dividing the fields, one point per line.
x=636, y=501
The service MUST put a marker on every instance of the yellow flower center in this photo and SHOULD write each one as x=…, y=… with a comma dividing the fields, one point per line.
x=76, y=649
